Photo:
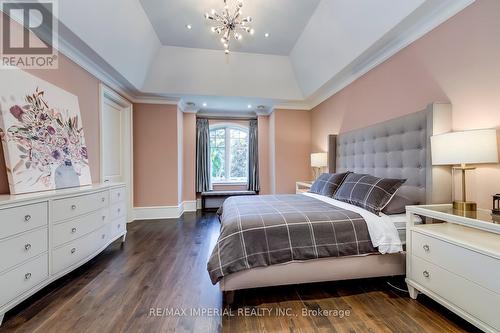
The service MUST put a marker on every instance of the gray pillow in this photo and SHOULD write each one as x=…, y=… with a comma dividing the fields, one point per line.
x=368, y=192
x=397, y=205
x=328, y=183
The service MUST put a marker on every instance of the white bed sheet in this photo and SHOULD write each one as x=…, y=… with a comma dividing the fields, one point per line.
x=383, y=232
x=399, y=221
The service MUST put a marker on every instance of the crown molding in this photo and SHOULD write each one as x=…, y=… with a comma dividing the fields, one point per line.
x=293, y=105
x=420, y=22
x=145, y=99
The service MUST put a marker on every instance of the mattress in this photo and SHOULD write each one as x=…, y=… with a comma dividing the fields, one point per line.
x=399, y=221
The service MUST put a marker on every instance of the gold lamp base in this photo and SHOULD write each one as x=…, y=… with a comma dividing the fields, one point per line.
x=466, y=206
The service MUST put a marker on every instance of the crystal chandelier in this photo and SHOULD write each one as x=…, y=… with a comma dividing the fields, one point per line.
x=230, y=25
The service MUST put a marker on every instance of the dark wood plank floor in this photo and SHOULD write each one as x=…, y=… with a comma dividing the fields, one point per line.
x=163, y=265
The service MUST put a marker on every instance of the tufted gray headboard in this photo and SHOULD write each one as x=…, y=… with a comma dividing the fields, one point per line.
x=398, y=148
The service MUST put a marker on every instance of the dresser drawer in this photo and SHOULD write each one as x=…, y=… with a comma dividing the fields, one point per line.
x=77, y=227
x=79, y=249
x=117, y=195
x=118, y=227
x=470, y=297
x=21, y=279
x=117, y=211
x=71, y=207
x=474, y=266
x=23, y=218
x=21, y=248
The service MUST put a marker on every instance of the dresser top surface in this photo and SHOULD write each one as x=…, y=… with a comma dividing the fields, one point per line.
x=7, y=199
x=481, y=219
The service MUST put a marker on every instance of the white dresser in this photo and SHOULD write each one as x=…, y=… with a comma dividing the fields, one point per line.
x=457, y=263
x=45, y=235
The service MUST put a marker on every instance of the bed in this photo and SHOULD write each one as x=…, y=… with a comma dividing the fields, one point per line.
x=398, y=148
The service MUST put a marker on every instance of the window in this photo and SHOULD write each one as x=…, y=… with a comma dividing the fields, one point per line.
x=229, y=153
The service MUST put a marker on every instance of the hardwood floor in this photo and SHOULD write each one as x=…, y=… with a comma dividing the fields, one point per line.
x=163, y=265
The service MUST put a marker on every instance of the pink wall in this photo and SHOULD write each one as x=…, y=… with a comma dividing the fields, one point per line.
x=155, y=155
x=458, y=62
x=292, y=149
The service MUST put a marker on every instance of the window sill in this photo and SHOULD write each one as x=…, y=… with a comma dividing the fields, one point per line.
x=229, y=183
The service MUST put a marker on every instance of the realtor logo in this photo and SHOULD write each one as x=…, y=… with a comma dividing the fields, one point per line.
x=29, y=35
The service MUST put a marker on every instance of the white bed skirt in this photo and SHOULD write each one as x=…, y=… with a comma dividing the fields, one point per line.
x=318, y=270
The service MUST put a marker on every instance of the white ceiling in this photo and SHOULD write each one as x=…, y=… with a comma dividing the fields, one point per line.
x=316, y=47
x=284, y=20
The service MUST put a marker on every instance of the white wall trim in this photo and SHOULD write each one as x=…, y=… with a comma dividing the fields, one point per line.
x=189, y=206
x=155, y=100
x=158, y=212
x=398, y=38
x=164, y=212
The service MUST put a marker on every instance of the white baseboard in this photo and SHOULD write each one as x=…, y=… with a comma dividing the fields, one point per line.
x=188, y=206
x=164, y=212
x=198, y=203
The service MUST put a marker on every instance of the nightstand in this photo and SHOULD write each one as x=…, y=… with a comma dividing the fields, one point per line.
x=456, y=262
x=302, y=186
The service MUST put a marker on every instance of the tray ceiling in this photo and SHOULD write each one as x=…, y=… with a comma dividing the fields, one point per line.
x=284, y=20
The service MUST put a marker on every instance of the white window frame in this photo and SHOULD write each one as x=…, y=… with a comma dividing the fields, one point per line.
x=227, y=153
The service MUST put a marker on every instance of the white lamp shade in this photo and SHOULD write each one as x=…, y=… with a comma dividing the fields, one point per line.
x=465, y=147
x=319, y=160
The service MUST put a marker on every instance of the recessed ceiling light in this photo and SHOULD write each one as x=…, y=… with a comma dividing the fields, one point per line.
x=266, y=34
x=189, y=26
x=249, y=106
x=205, y=104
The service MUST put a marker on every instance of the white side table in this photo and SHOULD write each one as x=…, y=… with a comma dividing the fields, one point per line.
x=302, y=186
x=456, y=263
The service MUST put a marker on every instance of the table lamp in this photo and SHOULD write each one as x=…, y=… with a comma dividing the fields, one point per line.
x=318, y=161
x=463, y=148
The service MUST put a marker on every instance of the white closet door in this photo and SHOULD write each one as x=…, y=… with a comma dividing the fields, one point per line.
x=112, y=142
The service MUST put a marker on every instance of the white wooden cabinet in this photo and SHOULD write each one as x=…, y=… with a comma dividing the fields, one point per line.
x=46, y=235
x=457, y=263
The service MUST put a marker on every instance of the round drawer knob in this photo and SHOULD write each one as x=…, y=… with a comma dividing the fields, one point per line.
x=119, y=210
x=27, y=276
x=103, y=217
x=426, y=248
x=73, y=207
x=103, y=199
x=27, y=247
x=103, y=236
x=73, y=250
x=425, y=274
x=73, y=230
x=119, y=194
x=27, y=218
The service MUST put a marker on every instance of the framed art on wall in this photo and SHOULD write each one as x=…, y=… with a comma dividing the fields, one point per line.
x=42, y=135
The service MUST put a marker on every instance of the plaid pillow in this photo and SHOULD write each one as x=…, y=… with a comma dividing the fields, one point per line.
x=328, y=183
x=368, y=192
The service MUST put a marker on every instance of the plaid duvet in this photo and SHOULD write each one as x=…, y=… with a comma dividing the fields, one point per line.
x=263, y=230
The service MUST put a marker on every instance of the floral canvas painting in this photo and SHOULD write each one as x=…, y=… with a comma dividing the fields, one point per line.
x=42, y=135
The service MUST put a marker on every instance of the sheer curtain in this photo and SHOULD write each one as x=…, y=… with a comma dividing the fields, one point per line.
x=253, y=156
x=203, y=182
